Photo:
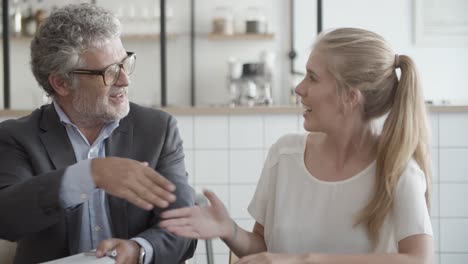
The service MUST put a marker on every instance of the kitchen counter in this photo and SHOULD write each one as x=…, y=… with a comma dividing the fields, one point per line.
x=207, y=110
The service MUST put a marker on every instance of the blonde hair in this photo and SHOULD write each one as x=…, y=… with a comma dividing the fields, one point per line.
x=363, y=60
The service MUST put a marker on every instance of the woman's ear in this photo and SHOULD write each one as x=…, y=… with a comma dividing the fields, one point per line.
x=354, y=97
x=350, y=100
x=60, y=85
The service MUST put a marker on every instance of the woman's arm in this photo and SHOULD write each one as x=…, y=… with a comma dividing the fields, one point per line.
x=417, y=249
x=213, y=221
x=244, y=243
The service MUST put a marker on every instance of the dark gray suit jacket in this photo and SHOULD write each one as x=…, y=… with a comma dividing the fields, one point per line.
x=34, y=153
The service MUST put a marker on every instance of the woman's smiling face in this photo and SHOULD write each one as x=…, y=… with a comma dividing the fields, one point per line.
x=319, y=96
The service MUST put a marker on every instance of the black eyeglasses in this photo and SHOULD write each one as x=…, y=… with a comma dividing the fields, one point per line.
x=111, y=73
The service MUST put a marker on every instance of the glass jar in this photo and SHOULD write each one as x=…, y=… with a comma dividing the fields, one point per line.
x=255, y=21
x=222, y=21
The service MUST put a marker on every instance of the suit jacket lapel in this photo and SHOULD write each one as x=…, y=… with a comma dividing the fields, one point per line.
x=120, y=141
x=120, y=144
x=55, y=139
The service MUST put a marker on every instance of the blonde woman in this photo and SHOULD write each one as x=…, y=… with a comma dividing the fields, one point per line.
x=341, y=193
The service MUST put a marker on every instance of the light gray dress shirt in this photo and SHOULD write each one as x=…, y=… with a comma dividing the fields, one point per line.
x=87, y=210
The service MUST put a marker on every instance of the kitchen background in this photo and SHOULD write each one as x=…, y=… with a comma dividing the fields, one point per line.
x=442, y=64
x=225, y=149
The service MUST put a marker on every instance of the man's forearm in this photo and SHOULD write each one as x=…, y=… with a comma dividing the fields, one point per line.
x=167, y=247
x=76, y=190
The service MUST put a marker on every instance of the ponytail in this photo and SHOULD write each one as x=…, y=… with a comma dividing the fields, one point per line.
x=404, y=136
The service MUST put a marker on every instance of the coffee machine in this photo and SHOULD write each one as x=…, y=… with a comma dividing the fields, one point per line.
x=249, y=83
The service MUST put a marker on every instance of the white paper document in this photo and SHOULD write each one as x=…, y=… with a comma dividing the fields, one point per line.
x=82, y=259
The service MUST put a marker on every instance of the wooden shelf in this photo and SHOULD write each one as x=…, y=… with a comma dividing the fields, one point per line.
x=19, y=37
x=172, y=36
x=243, y=36
x=148, y=36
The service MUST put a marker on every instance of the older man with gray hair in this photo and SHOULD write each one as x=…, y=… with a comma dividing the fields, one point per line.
x=90, y=170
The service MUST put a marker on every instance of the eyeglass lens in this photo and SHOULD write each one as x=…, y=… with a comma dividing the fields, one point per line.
x=112, y=74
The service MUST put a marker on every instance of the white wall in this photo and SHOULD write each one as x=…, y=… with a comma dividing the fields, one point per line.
x=443, y=69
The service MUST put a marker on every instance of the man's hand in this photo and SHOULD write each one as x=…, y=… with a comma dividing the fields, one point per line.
x=128, y=251
x=133, y=181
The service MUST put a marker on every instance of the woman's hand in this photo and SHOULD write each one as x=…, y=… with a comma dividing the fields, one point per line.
x=200, y=222
x=271, y=258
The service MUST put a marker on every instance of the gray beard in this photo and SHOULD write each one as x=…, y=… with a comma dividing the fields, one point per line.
x=97, y=113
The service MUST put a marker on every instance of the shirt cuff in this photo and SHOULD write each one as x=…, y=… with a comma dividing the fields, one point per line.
x=148, y=248
x=77, y=184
